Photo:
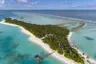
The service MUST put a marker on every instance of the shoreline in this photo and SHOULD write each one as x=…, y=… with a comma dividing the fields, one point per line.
x=86, y=57
x=46, y=47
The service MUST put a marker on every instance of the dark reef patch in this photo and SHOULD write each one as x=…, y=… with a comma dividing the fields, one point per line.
x=88, y=38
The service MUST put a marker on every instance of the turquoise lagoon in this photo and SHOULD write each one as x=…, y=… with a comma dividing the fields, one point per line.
x=78, y=37
x=11, y=36
x=15, y=46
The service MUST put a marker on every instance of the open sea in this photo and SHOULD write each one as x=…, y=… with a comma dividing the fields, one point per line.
x=15, y=48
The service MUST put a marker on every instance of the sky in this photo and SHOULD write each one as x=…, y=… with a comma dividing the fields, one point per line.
x=47, y=4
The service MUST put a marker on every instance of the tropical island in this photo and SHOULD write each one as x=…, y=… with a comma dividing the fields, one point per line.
x=53, y=35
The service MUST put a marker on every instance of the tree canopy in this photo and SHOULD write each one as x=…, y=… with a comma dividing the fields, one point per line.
x=57, y=41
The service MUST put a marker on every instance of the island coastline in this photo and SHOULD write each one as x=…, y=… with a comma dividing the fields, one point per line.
x=38, y=41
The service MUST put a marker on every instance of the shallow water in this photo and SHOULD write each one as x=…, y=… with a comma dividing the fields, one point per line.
x=14, y=44
x=40, y=18
x=86, y=45
x=12, y=37
x=78, y=37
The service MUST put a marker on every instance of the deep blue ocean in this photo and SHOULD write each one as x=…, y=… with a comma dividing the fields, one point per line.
x=15, y=46
x=80, y=14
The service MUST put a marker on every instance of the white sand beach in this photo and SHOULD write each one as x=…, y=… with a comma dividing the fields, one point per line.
x=39, y=42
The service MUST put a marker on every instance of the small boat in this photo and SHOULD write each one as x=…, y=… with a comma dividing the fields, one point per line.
x=89, y=38
x=40, y=58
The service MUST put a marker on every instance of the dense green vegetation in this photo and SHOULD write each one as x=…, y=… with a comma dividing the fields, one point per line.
x=56, y=38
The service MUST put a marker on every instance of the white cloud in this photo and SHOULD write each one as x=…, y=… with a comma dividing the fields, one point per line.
x=31, y=4
x=2, y=2
x=24, y=1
